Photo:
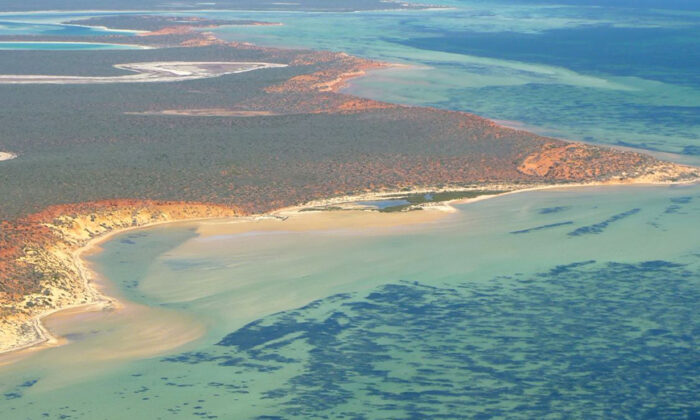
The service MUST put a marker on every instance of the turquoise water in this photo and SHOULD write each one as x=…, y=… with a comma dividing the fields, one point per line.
x=590, y=313
x=50, y=24
x=64, y=46
x=551, y=304
x=612, y=75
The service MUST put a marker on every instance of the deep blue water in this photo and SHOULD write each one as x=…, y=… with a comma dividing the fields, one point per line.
x=664, y=54
x=690, y=5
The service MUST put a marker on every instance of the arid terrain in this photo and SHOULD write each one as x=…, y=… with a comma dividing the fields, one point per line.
x=220, y=140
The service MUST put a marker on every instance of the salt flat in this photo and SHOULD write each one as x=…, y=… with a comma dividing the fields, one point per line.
x=7, y=156
x=170, y=71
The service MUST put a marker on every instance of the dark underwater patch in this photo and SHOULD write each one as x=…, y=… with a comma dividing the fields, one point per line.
x=12, y=395
x=600, y=227
x=682, y=200
x=692, y=150
x=30, y=383
x=580, y=340
x=549, y=226
x=550, y=210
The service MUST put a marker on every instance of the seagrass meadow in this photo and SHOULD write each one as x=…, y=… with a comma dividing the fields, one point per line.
x=222, y=229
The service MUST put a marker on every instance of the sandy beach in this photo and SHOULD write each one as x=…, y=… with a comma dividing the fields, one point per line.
x=342, y=213
x=106, y=303
x=104, y=300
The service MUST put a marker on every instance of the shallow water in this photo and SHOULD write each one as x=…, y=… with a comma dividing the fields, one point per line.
x=63, y=46
x=612, y=73
x=623, y=76
x=549, y=304
x=51, y=24
x=462, y=316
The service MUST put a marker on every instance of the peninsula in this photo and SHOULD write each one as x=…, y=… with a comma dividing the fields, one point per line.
x=221, y=140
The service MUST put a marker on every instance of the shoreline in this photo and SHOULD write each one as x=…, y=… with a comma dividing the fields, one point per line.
x=89, y=279
x=134, y=46
x=106, y=28
x=101, y=301
x=97, y=300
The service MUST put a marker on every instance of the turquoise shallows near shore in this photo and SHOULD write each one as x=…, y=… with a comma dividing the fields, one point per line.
x=518, y=63
x=457, y=317
x=58, y=46
x=524, y=65
x=577, y=303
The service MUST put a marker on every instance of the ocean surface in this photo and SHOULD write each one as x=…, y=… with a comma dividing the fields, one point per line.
x=578, y=303
x=613, y=72
x=51, y=24
x=16, y=45
x=551, y=304
x=614, y=75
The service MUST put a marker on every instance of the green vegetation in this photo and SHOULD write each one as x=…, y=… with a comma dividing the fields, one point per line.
x=82, y=143
x=433, y=197
x=328, y=208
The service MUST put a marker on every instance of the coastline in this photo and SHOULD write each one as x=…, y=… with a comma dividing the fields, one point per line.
x=101, y=301
x=68, y=254
x=91, y=281
x=134, y=46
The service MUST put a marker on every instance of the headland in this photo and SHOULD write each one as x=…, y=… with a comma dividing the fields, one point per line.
x=137, y=162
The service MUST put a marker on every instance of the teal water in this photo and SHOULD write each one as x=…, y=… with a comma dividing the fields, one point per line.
x=62, y=46
x=605, y=74
x=551, y=304
x=50, y=24
x=554, y=304
x=620, y=73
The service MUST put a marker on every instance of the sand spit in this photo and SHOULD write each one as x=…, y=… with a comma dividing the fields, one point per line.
x=7, y=156
x=167, y=71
